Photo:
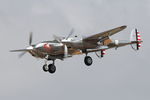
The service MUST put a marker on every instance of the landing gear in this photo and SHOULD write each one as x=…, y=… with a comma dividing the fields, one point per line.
x=51, y=68
x=88, y=60
x=45, y=68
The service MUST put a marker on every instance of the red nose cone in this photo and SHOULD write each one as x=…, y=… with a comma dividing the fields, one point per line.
x=47, y=47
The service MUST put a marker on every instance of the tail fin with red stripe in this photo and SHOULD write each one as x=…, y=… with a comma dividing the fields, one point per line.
x=136, y=38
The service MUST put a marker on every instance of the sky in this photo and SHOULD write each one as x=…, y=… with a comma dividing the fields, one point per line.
x=123, y=74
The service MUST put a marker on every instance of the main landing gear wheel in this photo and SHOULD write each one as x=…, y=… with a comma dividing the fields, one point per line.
x=88, y=60
x=45, y=68
x=51, y=68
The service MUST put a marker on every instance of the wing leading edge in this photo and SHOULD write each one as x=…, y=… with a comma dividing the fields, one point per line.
x=95, y=38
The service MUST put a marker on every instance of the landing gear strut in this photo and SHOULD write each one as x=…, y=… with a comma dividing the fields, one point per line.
x=88, y=60
x=51, y=68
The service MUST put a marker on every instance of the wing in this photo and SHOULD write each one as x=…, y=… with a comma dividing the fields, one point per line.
x=101, y=36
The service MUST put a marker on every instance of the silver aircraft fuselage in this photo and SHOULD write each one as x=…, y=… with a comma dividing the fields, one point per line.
x=56, y=49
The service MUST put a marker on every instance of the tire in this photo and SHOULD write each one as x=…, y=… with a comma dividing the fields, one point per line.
x=45, y=68
x=52, y=68
x=88, y=60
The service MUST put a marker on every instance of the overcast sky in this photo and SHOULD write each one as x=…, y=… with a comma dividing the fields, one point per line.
x=120, y=75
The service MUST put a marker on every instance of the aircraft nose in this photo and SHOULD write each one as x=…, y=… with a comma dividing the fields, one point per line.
x=30, y=48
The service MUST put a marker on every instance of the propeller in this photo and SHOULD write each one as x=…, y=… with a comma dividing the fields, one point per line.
x=24, y=51
x=65, y=46
x=57, y=38
x=22, y=54
x=30, y=38
x=71, y=32
x=30, y=44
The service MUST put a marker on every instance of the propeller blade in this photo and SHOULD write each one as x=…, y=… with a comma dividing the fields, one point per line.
x=30, y=38
x=19, y=50
x=71, y=32
x=57, y=38
x=65, y=51
x=22, y=54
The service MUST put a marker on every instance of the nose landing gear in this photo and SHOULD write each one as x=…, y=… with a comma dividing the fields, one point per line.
x=45, y=68
x=51, y=68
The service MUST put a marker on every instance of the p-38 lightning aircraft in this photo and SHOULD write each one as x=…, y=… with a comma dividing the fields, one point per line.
x=61, y=48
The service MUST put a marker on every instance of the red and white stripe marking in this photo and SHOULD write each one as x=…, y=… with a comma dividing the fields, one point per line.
x=139, y=39
x=103, y=52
